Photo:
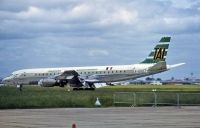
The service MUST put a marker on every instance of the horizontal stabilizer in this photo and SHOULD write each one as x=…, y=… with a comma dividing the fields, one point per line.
x=174, y=65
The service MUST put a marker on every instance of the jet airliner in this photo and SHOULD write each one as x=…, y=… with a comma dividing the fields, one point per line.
x=86, y=77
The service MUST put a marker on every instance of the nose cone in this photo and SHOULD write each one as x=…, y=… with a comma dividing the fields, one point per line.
x=6, y=80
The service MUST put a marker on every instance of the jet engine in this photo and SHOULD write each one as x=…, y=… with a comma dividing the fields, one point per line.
x=48, y=82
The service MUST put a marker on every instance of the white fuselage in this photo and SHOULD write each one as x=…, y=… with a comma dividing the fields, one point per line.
x=99, y=73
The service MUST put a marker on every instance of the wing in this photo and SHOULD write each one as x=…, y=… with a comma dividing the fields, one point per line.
x=67, y=74
x=71, y=77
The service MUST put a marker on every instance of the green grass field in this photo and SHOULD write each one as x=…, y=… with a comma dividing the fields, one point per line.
x=182, y=88
x=41, y=97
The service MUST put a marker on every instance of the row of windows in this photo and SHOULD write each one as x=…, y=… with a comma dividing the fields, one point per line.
x=103, y=72
x=43, y=74
x=97, y=72
x=46, y=74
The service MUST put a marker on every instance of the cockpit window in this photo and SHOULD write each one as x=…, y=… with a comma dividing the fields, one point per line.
x=15, y=75
x=12, y=75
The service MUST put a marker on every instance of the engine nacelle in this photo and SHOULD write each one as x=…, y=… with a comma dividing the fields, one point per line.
x=47, y=82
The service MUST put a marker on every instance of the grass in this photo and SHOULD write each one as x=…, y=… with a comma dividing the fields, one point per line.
x=171, y=88
x=41, y=97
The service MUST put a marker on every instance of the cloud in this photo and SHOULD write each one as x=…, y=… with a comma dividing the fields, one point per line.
x=81, y=10
x=52, y=33
x=97, y=52
x=120, y=16
x=185, y=24
x=88, y=17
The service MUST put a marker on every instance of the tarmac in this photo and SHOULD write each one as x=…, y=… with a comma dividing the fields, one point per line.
x=138, y=117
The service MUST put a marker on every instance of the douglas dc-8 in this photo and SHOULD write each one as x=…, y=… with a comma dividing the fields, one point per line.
x=86, y=77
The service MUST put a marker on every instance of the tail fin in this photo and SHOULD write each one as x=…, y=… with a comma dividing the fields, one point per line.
x=159, y=53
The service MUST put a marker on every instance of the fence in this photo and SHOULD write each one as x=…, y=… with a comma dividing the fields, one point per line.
x=156, y=98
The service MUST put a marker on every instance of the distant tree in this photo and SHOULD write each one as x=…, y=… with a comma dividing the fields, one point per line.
x=149, y=79
x=187, y=79
x=172, y=78
x=158, y=79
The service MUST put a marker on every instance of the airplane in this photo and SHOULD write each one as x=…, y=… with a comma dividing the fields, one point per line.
x=86, y=77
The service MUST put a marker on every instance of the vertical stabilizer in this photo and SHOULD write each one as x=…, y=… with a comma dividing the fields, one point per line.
x=159, y=52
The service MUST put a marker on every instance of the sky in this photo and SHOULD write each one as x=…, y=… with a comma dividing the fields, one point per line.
x=62, y=33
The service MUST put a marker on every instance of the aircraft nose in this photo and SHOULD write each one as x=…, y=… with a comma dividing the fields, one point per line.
x=6, y=80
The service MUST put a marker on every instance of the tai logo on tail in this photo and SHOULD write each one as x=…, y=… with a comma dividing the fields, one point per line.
x=159, y=52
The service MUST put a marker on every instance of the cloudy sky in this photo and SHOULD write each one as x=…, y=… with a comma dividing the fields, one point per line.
x=58, y=33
